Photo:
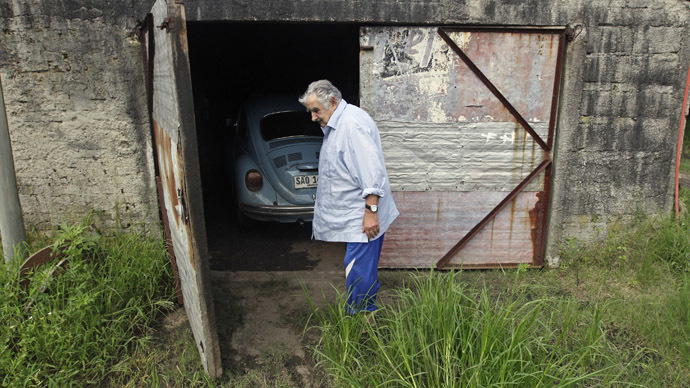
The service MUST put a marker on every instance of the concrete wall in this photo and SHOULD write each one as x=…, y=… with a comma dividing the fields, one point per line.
x=76, y=107
x=75, y=97
x=620, y=117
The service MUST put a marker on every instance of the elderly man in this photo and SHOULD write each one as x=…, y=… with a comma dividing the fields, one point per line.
x=354, y=203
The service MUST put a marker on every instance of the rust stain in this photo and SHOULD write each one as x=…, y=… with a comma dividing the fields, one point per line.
x=491, y=241
x=512, y=221
x=524, y=154
x=168, y=174
x=438, y=210
x=536, y=218
x=185, y=215
x=168, y=240
x=164, y=145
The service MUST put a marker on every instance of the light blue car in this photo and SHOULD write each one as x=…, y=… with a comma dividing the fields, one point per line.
x=275, y=161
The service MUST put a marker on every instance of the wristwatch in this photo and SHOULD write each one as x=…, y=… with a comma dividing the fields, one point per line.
x=373, y=208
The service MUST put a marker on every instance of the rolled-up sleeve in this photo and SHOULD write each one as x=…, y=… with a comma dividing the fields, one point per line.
x=365, y=162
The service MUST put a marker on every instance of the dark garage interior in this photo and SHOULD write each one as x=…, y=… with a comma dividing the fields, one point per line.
x=229, y=63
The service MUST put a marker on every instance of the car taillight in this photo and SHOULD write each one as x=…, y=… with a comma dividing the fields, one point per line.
x=253, y=180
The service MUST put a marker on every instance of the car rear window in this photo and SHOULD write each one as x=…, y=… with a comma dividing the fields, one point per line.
x=286, y=124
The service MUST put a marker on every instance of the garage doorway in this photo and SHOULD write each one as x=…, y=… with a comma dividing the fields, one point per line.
x=230, y=62
x=198, y=74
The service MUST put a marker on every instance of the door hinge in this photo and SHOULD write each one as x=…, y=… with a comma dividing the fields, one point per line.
x=573, y=30
x=167, y=25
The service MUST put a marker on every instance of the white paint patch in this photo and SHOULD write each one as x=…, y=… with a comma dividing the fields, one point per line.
x=510, y=137
x=429, y=87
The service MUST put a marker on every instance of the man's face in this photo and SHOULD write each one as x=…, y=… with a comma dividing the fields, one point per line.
x=319, y=114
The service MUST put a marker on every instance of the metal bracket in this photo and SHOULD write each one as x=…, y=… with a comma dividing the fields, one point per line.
x=166, y=25
x=572, y=31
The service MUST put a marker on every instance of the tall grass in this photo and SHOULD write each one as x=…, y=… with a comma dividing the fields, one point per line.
x=82, y=320
x=617, y=313
x=440, y=333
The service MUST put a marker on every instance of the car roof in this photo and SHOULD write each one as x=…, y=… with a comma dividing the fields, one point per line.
x=259, y=106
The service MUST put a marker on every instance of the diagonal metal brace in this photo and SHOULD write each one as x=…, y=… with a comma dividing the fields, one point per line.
x=493, y=89
x=513, y=194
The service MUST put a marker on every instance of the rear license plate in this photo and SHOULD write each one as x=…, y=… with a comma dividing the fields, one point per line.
x=306, y=181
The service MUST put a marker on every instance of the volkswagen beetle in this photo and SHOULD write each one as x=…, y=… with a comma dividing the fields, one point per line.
x=275, y=161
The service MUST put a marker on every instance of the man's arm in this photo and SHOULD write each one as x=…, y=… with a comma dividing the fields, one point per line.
x=370, y=224
x=364, y=160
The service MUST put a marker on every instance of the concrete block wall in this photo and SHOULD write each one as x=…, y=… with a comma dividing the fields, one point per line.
x=618, y=130
x=76, y=100
x=76, y=104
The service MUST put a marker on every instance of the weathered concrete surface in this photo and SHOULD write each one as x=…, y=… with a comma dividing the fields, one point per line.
x=77, y=110
x=619, y=117
x=76, y=107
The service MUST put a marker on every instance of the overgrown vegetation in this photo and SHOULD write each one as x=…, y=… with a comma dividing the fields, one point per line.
x=69, y=327
x=617, y=313
x=441, y=333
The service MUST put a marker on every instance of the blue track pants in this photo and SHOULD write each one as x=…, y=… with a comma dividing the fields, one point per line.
x=361, y=275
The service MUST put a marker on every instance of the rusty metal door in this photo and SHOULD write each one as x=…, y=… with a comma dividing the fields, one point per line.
x=166, y=59
x=467, y=119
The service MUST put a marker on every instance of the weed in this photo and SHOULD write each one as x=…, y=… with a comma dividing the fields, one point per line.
x=82, y=320
x=446, y=335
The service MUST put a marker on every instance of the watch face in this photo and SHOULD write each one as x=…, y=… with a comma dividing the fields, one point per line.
x=374, y=208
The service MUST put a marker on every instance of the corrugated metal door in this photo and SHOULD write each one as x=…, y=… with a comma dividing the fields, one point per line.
x=466, y=117
x=172, y=117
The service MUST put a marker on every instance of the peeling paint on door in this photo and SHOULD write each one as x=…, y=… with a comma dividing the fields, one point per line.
x=168, y=78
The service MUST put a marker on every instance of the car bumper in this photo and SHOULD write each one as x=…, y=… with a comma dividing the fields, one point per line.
x=278, y=213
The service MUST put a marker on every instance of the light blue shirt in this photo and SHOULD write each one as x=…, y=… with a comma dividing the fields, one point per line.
x=351, y=167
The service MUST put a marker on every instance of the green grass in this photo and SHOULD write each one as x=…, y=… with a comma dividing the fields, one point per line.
x=685, y=162
x=439, y=332
x=83, y=320
x=166, y=358
x=617, y=313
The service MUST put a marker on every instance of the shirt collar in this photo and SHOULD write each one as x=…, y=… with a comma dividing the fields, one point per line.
x=335, y=117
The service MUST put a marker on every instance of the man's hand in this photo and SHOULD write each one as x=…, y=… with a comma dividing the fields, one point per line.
x=370, y=225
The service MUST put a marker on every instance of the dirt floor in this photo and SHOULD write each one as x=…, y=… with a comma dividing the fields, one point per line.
x=258, y=274
x=260, y=304
x=259, y=277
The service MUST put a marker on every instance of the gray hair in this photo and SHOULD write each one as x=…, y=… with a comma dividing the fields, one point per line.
x=323, y=90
